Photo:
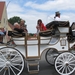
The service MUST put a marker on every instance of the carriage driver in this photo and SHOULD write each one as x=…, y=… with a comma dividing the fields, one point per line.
x=57, y=16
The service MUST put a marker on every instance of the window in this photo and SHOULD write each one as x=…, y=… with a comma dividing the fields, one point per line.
x=4, y=20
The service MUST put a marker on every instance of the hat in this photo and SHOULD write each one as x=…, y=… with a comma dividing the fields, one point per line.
x=57, y=13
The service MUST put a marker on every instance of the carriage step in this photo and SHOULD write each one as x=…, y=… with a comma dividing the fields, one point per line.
x=33, y=66
x=33, y=72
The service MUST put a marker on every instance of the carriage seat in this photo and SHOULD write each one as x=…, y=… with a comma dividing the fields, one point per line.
x=73, y=32
x=15, y=33
x=46, y=33
x=73, y=29
x=57, y=24
x=62, y=26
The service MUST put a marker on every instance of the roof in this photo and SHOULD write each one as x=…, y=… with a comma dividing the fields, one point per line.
x=2, y=4
x=11, y=26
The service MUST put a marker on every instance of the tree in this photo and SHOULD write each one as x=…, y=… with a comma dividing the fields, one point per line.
x=14, y=19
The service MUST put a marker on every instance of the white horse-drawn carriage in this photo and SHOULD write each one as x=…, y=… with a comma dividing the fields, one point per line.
x=55, y=41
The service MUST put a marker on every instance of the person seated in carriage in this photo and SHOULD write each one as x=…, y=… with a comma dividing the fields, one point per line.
x=40, y=26
x=17, y=28
x=2, y=33
x=23, y=25
x=54, y=23
x=20, y=27
x=57, y=16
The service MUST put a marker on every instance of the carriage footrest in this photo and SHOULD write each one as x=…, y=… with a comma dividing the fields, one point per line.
x=33, y=66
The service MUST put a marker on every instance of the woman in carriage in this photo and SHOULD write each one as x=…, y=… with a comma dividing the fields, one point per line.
x=40, y=26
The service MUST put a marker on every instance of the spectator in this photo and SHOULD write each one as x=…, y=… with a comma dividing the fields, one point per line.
x=2, y=33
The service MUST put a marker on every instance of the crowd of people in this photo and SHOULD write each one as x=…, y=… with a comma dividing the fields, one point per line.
x=21, y=27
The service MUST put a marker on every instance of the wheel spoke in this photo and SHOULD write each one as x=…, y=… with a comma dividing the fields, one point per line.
x=63, y=69
x=60, y=60
x=1, y=60
x=69, y=56
x=71, y=67
x=16, y=64
x=1, y=65
x=70, y=59
x=2, y=68
x=72, y=64
x=14, y=57
x=68, y=68
x=63, y=58
x=12, y=70
x=59, y=66
x=3, y=57
x=15, y=68
x=4, y=72
x=8, y=70
x=17, y=60
x=7, y=52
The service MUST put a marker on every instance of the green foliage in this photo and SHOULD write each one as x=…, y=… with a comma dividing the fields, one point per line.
x=31, y=34
x=14, y=19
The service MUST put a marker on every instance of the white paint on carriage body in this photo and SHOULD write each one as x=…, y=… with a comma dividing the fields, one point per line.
x=45, y=43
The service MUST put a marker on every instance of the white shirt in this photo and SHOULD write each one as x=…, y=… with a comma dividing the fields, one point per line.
x=57, y=19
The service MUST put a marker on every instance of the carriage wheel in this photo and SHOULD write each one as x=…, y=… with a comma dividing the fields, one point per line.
x=65, y=63
x=11, y=61
x=51, y=55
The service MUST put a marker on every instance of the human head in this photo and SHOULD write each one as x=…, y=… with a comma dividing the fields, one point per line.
x=22, y=21
x=16, y=25
x=57, y=14
x=39, y=21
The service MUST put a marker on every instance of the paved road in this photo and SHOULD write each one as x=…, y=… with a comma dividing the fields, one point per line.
x=45, y=68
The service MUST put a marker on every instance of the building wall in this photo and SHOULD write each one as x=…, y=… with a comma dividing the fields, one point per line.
x=4, y=24
x=4, y=20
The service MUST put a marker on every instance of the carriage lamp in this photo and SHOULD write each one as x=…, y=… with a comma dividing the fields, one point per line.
x=63, y=42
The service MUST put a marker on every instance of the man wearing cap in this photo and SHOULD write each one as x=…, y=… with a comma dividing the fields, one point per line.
x=57, y=16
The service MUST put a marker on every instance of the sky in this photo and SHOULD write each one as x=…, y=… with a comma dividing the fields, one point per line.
x=32, y=10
